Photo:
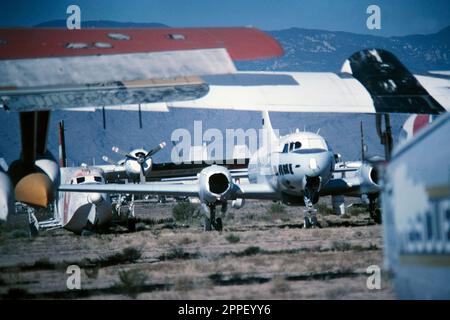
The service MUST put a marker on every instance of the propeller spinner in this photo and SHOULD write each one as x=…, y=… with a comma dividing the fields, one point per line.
x=139, y=157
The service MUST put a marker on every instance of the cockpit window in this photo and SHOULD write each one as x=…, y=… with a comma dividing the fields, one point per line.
x=291, y=146
x=317, y=144
x=285, y=148
x=98, y=179
x=297, y=145
x=80, y=180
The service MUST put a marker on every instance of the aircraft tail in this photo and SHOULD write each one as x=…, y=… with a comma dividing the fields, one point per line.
x=269, y=133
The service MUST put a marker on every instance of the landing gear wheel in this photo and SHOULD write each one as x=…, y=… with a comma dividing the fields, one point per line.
x=218, y=225
x=207, y=224
x=375, y=212
x=311, y=222
x=376, y=216
x=306, y=223
x=131, y=224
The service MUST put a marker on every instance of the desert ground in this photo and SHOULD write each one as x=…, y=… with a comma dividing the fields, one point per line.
x=262, y=253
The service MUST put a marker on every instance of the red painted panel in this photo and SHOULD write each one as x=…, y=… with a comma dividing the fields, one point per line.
x=241, y=43
x=421, y=121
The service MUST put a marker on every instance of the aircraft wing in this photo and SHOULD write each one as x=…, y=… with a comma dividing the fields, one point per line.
x=351, y=185
x=255, y=191
x=371, y=81
x=173, y=189
x=189, y=170
x=45, y=69
x=246, y=191
x=342, y=186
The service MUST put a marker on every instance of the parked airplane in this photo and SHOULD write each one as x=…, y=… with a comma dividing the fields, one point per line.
x=137, y=163
x=295, y=169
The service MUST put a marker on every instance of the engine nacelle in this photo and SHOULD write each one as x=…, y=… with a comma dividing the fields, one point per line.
x=369, y=178
x=51, y=168
x=215, y=184
x=238, y=203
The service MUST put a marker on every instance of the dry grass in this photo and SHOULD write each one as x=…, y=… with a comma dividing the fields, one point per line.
x=256, y=258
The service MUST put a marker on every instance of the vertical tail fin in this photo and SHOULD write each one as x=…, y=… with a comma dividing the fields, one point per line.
x=269, y=134
x=62, y=146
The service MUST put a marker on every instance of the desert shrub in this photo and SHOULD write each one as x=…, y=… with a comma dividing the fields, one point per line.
x=129, y=254
x=323, y=209
x=131, y=281
x=341, y=246
x=279, y=285
x=183, y=284
x=233, y=238
x=177, y=252
x=249, y=251
x=20, y=233
x=184, y=211
x=43, y=263
x=276, y=207
x=141, y=226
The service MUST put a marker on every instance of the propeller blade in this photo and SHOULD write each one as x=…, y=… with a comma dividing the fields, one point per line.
x=156, y=149
x=106, y=159
x=142, y=174
x=123, y=153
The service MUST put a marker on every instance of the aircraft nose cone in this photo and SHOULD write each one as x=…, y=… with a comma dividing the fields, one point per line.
x=318, y=164
x=95, y=198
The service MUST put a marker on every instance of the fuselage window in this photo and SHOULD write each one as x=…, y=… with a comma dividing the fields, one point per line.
x=80, y=180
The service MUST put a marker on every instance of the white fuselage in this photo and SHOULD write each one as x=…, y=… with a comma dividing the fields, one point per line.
x=77, y=211
x=293, y=160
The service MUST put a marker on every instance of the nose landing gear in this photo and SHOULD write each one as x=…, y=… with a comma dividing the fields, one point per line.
x=210, y=220
x=311, y=197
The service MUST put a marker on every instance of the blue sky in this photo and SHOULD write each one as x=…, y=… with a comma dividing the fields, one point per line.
x=398, y=17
